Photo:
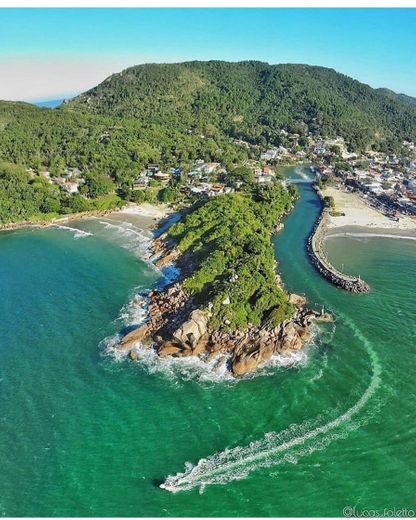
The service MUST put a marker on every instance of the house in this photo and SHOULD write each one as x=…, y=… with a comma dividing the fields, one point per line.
x=152, y=169
x=320, y=149
x=269, y=155
x=159, y=176
x=210, y=167
x=140, y=182
x=268, y=171
x=70, y=187
x=70, y=173
x=265, y=179
x=294, y=139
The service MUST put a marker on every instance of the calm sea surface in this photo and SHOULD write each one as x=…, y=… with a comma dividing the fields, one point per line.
x=83, y=433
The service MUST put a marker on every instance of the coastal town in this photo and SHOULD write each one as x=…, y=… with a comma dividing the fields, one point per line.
x=385, y=182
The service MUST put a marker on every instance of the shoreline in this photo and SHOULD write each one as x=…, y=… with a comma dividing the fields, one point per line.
x=319, y=259
x=369, y=232
x=358, y=214
x=145, y=216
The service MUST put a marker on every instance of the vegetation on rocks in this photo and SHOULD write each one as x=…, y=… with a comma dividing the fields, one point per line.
x=233, y=265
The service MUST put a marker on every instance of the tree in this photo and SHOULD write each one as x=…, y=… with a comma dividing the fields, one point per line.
x=243, y=174
x=98, y=185
x=168, y=195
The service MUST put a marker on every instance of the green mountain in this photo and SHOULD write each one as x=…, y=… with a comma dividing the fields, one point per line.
x=158, y=113
x=252, y=100
x=401, y=97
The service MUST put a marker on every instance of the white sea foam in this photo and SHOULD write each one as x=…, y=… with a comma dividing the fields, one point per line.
x=302, y=177
x=276, y=448
x=78, y=233
x=370, y=235
x=131, y=238
x=135, y=313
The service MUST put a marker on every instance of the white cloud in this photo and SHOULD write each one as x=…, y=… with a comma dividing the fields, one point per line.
x=34, y=78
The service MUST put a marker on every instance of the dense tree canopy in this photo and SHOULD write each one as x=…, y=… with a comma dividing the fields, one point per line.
x=228, y=239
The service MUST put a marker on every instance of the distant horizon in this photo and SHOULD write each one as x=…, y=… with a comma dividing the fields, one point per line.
x=54, y=53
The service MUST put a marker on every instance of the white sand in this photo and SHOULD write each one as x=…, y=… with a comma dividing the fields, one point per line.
x=144, y=216
x=145, y=210
x=359, y=213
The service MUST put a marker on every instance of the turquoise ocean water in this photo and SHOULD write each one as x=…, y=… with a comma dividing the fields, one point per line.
x=83, y=433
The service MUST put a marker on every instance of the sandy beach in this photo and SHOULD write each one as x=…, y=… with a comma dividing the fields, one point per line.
x=361, y=218
x=143, y=216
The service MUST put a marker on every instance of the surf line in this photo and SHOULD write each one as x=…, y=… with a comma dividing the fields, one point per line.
x=78, y=232
x=370, y=235
x=274, y=448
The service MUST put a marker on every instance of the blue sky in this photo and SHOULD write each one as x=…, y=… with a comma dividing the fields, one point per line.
x=53, y=53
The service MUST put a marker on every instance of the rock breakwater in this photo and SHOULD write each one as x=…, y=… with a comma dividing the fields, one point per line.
x=319, y=259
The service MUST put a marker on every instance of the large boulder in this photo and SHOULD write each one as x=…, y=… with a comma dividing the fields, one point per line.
x=297, y=300
x=168, y=259
x=245, y=363
x=191, y=331
x=290, y=338
x=170, y=348
x=136, y=335
x=249, y=361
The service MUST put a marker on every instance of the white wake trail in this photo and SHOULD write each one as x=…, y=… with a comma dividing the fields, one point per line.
x=274, y=448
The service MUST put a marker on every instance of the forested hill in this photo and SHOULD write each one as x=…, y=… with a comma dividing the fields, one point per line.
x=402, y=97
x=253, y=100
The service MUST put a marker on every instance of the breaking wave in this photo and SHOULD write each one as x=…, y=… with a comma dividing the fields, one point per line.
x=78, y=233
x=277, y=447
x=135, y=313
x=370, y=235
x=129, y=237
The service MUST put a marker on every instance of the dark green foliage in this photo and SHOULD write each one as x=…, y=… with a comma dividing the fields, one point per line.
x=23, y=198
x=254, y=100
x=228, y=238
x=168, y=195
x=329, y=201
x=242, y=174
x=98, y=185
x=172, y=114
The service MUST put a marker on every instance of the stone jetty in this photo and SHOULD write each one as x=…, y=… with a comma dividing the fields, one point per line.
x=320, y=261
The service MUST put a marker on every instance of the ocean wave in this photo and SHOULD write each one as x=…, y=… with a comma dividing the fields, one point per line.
x=78, y=233
x=277, y=448
x=135, y=313
x=129, y=237
x=370, y=235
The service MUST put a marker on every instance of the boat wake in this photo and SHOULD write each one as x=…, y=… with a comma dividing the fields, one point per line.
x=276, y=447
x=301, y=177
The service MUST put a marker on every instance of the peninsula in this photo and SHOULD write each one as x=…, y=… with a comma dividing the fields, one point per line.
x=228, y=302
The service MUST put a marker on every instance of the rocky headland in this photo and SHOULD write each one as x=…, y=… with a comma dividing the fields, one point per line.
x=177, y=327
